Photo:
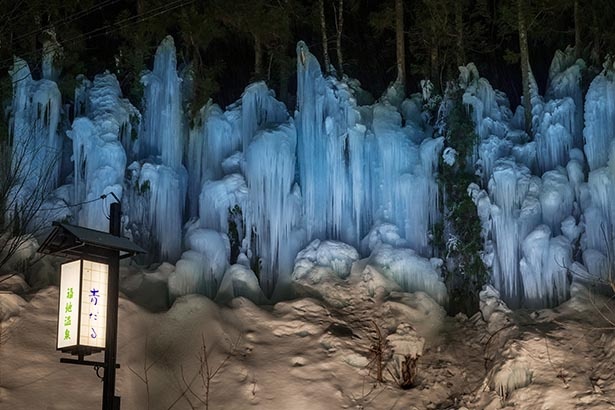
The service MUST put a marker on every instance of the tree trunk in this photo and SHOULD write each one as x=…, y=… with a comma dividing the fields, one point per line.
x=283, y=92
x=461, y=58
x=399, y=41
x=258, y=57
x=325, y=40
x=340, y=26
x=434, y=65
x=578, y=48
x=525, y=67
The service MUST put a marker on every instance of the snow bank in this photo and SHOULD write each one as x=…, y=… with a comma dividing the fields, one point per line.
x=411, y=271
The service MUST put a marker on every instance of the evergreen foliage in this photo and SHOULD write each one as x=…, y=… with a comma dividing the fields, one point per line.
x=458, y=236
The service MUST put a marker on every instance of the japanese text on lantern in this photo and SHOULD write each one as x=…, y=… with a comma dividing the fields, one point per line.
x=68, y=312
x=94, y=304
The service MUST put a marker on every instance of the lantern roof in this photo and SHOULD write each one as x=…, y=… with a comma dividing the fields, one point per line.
x=77, y=241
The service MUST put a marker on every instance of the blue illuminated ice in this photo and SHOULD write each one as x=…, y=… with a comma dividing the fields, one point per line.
x=33, y=128
x=159, y=182
x=202, y=267
x=410, y=271
x=99, y=159
x=322, y=259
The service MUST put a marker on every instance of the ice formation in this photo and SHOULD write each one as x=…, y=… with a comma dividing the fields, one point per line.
x=99, y=159
x=376, y=169
x=36, y=142
x=411, y=271
x=260, y=184
x=272, y=223
x=201, y=268
x=216, y=136
x=159, y=182
x=535, y=191
x=328, y=258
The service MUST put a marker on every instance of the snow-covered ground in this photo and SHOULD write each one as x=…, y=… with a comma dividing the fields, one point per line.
x=319, y=352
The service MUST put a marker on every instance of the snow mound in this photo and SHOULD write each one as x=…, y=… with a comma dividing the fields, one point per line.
x=240, y=281
x=201, y=268
x=324, y=258
x=411, y=271
x=10, y=305
x=148, y=289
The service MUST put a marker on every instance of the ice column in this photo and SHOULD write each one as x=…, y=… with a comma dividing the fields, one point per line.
x=599, y=119
x=272, y=215
x=99, y=158
x=163, y=178
x=565, y=76
x=508, y=187
x=214, y=138
x=33, y=124
x=330, y=153
x=163, y=118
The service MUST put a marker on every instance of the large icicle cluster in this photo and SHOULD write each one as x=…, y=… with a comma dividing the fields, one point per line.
x=158, y=181
x=99, y=159
x=376, y=170
x=598, y=207
x=537, y=214
x=33, y=127
x=261, y=184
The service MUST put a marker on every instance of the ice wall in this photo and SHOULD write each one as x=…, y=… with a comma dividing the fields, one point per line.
x=163, y=118
x=215, y=136
x=33, y=130
x=599, y=119
x=260, y=181
x=535, y=190
x=99, y=159
x=359, y=165
x=159, y=182
x=330, y=146
x=273, y=214
x=598, y=208
x=565, y=76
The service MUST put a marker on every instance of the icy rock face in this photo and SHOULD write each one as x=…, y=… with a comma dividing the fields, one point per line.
x=324, y=259
x=531, y=223
x=273, y=222
x=519, y=216
x=380, y=234
x=163, y=118
x=410, y=271
x=599, y=119
x=554, y=135
x=376, y=170
x=159, y=182
x=599, y=216
x=99, y=159
x=487, y=112
x=256, y=187
x=202, y=267
x=33, y=127
x=328, y=133
x=544, y=268
x=214, y=138
x=217, y=197
x=565, y=75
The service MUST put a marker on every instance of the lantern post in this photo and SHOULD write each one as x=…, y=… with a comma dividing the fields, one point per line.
x=89, y=294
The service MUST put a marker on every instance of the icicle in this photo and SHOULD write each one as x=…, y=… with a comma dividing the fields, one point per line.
x=99, y=160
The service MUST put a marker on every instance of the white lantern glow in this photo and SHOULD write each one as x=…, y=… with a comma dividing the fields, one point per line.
x=82, y=314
